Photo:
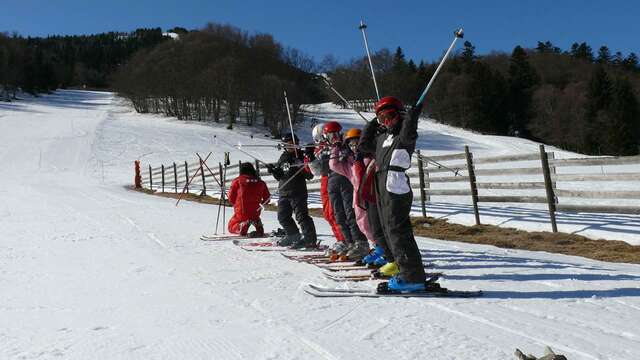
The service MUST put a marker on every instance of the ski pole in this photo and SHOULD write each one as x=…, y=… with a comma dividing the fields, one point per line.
x=459, y=34
x=293, y=136
x=291, y=178
x=366, y=46
x=330, y=86
x=207, y=167
x=239, y=148
x=439, y=165
x=189, y=182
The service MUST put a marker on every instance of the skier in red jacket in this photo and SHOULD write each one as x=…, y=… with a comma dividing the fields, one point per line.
x=247, y=195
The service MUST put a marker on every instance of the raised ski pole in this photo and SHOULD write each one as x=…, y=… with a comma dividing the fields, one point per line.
x=189, y=182
x=332, y=88
x=459, y=34
x=362, y=28
x=293, y=136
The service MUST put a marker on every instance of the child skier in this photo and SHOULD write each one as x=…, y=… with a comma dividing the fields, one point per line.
x=247, y=195
x=352, y=164
x=341, y=196
x=392, y=137
x=320, y=167
x=292, y=173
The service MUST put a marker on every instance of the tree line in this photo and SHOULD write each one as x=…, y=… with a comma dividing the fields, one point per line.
x=575, y=99
x=40, y=65
x=223, y=74
x=572, y=99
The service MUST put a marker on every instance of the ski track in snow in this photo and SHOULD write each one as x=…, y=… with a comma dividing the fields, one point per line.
x=89, y=269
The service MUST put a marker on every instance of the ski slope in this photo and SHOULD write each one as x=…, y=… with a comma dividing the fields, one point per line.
x=91, y=270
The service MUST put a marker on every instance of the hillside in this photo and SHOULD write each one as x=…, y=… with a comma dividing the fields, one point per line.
x=90, y=269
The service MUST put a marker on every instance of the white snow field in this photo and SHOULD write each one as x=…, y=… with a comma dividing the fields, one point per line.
x=91, y=270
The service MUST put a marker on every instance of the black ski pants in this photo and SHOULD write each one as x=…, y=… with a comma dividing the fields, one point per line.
x=394, y=211
x=341, y=197
x=290, y=205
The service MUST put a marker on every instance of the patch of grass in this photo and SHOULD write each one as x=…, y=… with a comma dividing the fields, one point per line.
x=509, y=238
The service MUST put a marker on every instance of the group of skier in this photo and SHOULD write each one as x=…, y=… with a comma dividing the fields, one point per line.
x=366, y=194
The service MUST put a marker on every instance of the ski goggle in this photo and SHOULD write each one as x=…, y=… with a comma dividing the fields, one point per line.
x=388, y=117
x=353, y=144
x=333, y=137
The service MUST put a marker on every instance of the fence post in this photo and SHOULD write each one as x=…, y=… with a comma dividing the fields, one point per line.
x=150, y=178
x=204, y=185
x=186, y=176
x=137, y=179
x=162, y=167
x=175, y=178
x=422, y=192
x=221, y=180
x=472, y=182
x=427, y=183
x=551, y=197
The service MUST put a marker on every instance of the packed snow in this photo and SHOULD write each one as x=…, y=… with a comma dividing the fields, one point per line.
x=90, y=269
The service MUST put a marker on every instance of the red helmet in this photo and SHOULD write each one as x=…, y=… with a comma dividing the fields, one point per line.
x=331, y=127
x=389, y=102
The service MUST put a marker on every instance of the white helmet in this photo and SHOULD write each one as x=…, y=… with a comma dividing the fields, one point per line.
x=316, y=133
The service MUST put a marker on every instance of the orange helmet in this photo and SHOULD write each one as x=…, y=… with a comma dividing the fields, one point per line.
x=352, y=133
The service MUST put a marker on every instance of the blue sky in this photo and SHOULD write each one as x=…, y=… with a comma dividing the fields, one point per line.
x=422, y=28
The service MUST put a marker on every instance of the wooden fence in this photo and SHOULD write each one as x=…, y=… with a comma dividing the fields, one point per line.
x=534, y=178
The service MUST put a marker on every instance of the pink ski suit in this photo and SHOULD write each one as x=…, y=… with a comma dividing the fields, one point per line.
x=348, y=168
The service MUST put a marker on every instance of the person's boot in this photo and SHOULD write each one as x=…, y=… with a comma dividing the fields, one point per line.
x=289, y=240
x=358, y=251
x=399, y=285
x=370, y=259
x=389, y=270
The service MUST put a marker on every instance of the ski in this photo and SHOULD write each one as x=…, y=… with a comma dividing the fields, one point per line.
x=360, y=276
x=270, y=246
x=334, y=268
x=226, y=237
x=319, y=291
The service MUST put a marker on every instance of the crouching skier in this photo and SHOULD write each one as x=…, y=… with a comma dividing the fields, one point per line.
x=393, y=139
x=320, y=167
x=352, y=164
x=247, y=195
x=292, y=173
x=341, y=196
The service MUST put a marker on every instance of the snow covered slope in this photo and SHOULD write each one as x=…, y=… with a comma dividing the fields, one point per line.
x=90, y=270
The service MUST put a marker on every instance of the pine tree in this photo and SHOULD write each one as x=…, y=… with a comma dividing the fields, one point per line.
x=622, y=136
x=631, y=61
x=468, y=53
x=599, y=95
x=522, y=79
x=604, y=55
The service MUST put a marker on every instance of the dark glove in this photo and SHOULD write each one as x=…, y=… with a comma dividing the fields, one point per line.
x=359, y=156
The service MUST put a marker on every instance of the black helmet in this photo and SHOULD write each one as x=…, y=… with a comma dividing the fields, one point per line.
x=287, y=138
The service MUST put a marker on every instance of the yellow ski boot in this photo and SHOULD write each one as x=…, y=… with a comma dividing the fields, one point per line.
x=387, y=271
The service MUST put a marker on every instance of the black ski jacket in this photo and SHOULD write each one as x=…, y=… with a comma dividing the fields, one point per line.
x=285, y=168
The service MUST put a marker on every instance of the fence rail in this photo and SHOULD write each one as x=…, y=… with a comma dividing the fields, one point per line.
x=531, y=178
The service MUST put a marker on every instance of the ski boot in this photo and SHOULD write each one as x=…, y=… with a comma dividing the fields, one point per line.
x=387, y=271
x=302, y=243
x=289, y=240
x=358, y=251
x=397, y=285
x=379, y=262
x=337, y=247
x=374, y=254
x=342, y=254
